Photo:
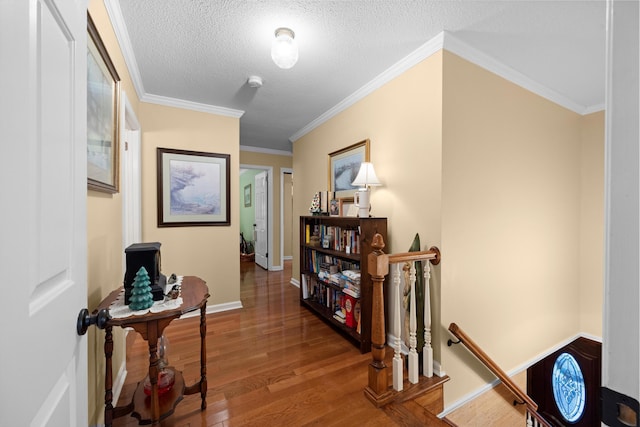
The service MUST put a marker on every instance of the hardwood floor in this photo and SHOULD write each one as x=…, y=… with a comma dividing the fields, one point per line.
x=271, y=363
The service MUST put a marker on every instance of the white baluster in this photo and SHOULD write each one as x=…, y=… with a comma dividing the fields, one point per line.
x=413, y=342
x=529, y=419
x=397, y=358
x=427, y=350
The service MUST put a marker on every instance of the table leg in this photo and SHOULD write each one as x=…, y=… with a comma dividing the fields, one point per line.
x=108, y=377
x=152, y=338
x=203, y=356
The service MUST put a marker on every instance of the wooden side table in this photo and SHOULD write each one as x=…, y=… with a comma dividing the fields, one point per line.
x=154, y=408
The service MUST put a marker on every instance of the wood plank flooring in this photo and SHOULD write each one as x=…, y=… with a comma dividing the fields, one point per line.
x=271, y=363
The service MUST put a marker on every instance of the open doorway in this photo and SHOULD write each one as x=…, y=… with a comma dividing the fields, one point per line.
x=256, y=213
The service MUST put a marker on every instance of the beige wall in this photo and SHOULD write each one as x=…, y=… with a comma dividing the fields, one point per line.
x=510, y=229
x=592, y=224
x=104, y=240
x=276, y=162
x=288, y=219
x=193, y=251
x=503, y=182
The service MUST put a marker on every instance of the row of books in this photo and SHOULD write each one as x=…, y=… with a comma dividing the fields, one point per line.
x=317, y=262
x=334, y=238
x=345, y=307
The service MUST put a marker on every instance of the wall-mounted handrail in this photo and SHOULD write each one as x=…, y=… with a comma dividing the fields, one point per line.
x=532, y=407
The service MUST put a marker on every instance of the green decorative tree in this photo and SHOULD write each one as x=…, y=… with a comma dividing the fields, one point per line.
x=141, y=296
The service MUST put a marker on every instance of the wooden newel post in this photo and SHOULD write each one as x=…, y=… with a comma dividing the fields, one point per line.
x=378, y=375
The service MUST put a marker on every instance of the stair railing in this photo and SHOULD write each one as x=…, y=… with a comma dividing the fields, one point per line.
x=533, y=418
x=378, y=390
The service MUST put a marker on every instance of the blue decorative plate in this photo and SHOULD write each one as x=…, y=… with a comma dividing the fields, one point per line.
x=568, y=387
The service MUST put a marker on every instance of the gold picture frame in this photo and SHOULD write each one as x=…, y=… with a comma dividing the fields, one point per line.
x=103, y=103
x=344, y=165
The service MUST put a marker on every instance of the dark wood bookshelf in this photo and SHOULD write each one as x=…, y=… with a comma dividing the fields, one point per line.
x=360, y=233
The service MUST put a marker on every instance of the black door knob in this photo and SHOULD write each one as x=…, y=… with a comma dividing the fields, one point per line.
x=85, y=320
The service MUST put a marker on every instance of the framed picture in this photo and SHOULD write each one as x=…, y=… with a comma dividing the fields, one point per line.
x=247, y=195
x=345, y=205
x=103, y=98
x=193, y=188
x=334, y=207
x=344, y=166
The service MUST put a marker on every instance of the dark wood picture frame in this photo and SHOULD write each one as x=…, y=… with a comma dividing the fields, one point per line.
x=193, y=188
x=103, y=106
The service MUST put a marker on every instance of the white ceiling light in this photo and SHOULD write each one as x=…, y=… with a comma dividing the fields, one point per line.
x=284, y=50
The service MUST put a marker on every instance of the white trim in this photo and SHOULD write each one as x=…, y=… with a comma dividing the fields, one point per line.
x=266, y=151
x=474, y=394
x=447, y=41
x=217, y=308
x=295, y=282
x=276, y=268
x=283, y=171
x=437, y=369
x=118, y=383
x=426, y=50
x=122, y=35
x=287, y=258
x=189, y=105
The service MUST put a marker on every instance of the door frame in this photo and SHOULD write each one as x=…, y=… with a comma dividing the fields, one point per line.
x=283, y=172
x=269, y=170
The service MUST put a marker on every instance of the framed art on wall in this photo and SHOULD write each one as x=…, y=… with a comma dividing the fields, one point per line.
x=344, y=165
x=103, y=97
x=247, y=195
x=193, y=188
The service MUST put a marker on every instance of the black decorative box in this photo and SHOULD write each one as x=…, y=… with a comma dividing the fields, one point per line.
x=145, y=255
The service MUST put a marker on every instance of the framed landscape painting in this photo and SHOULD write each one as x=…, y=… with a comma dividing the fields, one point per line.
x=103, y=97
x=193, y=188
x=344, y=165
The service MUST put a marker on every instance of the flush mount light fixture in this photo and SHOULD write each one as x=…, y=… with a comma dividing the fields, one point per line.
x=284, y=50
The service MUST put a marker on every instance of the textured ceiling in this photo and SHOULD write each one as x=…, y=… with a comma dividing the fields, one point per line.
x=203, y=51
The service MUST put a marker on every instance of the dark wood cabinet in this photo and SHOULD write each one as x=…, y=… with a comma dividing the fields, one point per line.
x=332, y=250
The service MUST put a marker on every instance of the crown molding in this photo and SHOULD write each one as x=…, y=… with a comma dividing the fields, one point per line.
x=447, y=41
x=122, y=35
x=266, y=150
x=415, y=57
x=189, y=105
x=481, y=59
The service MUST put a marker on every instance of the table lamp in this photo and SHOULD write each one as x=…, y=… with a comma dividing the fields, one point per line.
x=366, y=178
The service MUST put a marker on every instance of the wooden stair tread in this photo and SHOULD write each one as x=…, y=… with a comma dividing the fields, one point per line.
x=409, y=413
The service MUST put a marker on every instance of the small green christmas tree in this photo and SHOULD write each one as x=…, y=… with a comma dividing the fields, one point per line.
x=141, y=296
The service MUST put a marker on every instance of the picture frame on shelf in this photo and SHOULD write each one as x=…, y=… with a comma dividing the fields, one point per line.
x=193, y=188
x=247, y=195
x=344, y=165
x=334, y=207
x=103, y=103
x=346, y=206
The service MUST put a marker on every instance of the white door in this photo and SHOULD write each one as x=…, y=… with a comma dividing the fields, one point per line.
x=260, y=227
x=43, y=255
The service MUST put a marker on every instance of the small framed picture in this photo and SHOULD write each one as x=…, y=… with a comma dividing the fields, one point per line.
x=346, y=206
x=247, y=195
x=334, y=207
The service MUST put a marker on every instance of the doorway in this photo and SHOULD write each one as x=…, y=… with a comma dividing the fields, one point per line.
x=249, y=205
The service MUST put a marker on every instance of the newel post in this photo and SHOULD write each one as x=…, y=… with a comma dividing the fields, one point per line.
x=378, y=270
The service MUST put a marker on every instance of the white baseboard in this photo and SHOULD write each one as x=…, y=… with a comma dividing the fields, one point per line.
x=118, y=383
x=522, y=367
x=295, y=282
x=217, y=308
x=287, y=257
x=276, y=268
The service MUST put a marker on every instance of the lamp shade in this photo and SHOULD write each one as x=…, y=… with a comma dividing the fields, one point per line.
x=284, y=50
x=366, y=176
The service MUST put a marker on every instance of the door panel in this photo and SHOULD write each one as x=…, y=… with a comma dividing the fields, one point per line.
x=261, y=230
x=43, y=245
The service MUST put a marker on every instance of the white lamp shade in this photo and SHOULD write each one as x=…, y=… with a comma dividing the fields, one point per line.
x=284, y=50
x=366, y=176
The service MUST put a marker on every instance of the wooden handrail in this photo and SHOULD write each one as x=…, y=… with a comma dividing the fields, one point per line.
x=497, y=371
x=433, y=255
